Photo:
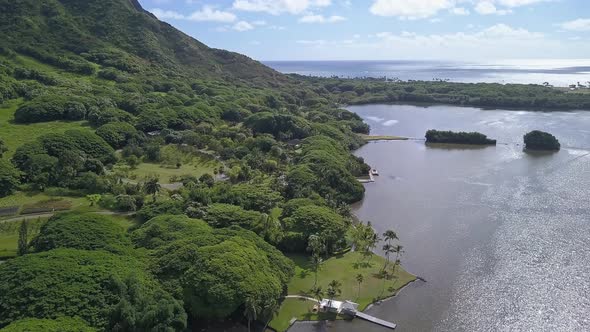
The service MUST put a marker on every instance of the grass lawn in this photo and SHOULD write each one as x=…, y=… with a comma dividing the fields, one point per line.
x=343, y=268
x=302, y=309
x=196, y=167
x=15, y=135
x=22, y=198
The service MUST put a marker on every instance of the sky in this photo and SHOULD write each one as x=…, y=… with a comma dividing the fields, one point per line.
x=469, y=30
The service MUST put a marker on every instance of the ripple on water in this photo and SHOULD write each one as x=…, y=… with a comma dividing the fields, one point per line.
x=534, y=274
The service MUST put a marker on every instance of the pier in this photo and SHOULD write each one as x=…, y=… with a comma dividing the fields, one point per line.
x=375, y=320
x=369, y=180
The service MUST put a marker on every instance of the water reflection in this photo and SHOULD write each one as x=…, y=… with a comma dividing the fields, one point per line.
x=500, y=235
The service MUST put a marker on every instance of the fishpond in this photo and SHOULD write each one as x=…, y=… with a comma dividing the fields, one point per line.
x=499, y=234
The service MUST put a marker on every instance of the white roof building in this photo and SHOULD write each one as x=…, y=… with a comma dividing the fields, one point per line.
x=338, y=306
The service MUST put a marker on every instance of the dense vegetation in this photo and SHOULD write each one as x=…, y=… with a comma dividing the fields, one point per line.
x=373, y=90
x=104, y=289
x=475, y=138
x=60, y=324
x=202, y=250
x=540, y=140
x=125, y=91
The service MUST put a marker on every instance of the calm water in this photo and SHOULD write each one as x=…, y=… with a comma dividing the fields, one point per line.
x=557, y=72
x=500, y=235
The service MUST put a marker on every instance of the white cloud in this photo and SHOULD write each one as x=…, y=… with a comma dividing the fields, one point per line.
x=459, y=11
x=518, y=3
x=206, y=14
x=242, y=26
x=321, y=19
x=276, y=7
x=488, y=8
x=497, y=41
x=410, y=9
x=581, y=24
x=315, y=42
x=167, y=14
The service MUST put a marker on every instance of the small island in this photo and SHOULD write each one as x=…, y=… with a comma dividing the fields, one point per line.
x=471, y=138
x=540, y=140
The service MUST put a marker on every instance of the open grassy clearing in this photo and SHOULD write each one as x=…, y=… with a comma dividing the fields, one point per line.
x=15, y=135
x=166, y=173
x=24, y=198
x=175, y=163
x=31, y=203
x=343, y=268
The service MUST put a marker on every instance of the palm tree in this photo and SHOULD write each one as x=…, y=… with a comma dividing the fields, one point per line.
x=388, y=249
x=333, y=290
x=359, y=279
x=358, y=238
x=317, y=293
x=317, y=247
x=390, y=235
x=152, y=187
x=372, y=240
x=251, y=309
x=398, y=254
x=270, y=310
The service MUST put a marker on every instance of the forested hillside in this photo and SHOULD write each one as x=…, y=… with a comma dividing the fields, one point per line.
x=223, y=165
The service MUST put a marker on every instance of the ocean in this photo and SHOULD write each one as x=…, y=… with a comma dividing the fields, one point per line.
x=557, y=72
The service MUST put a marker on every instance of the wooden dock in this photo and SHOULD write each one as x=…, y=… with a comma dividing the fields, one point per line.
x=375, y=320
x=371, y=179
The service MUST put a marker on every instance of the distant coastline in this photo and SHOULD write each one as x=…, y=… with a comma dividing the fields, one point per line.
x=559, y=72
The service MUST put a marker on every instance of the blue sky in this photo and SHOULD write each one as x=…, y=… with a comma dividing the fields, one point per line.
x=385, y=29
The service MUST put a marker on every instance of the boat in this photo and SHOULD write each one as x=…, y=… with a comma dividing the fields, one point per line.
x=374, y=172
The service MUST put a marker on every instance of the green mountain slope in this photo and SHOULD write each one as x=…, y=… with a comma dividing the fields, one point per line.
x=119, y=34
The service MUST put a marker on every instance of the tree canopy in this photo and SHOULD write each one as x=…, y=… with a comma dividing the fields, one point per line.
x=540, y=140
x=214, y=271
x=88, y=231
x=103, y=289
x=9, y=178
x=438, y=136
x=59, y=324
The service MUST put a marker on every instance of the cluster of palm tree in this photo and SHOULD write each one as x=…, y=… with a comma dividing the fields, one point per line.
x=334, y=289
x=364, y=239
x=389, y=248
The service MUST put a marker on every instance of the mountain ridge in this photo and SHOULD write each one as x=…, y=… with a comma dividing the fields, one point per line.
x=122, y=29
